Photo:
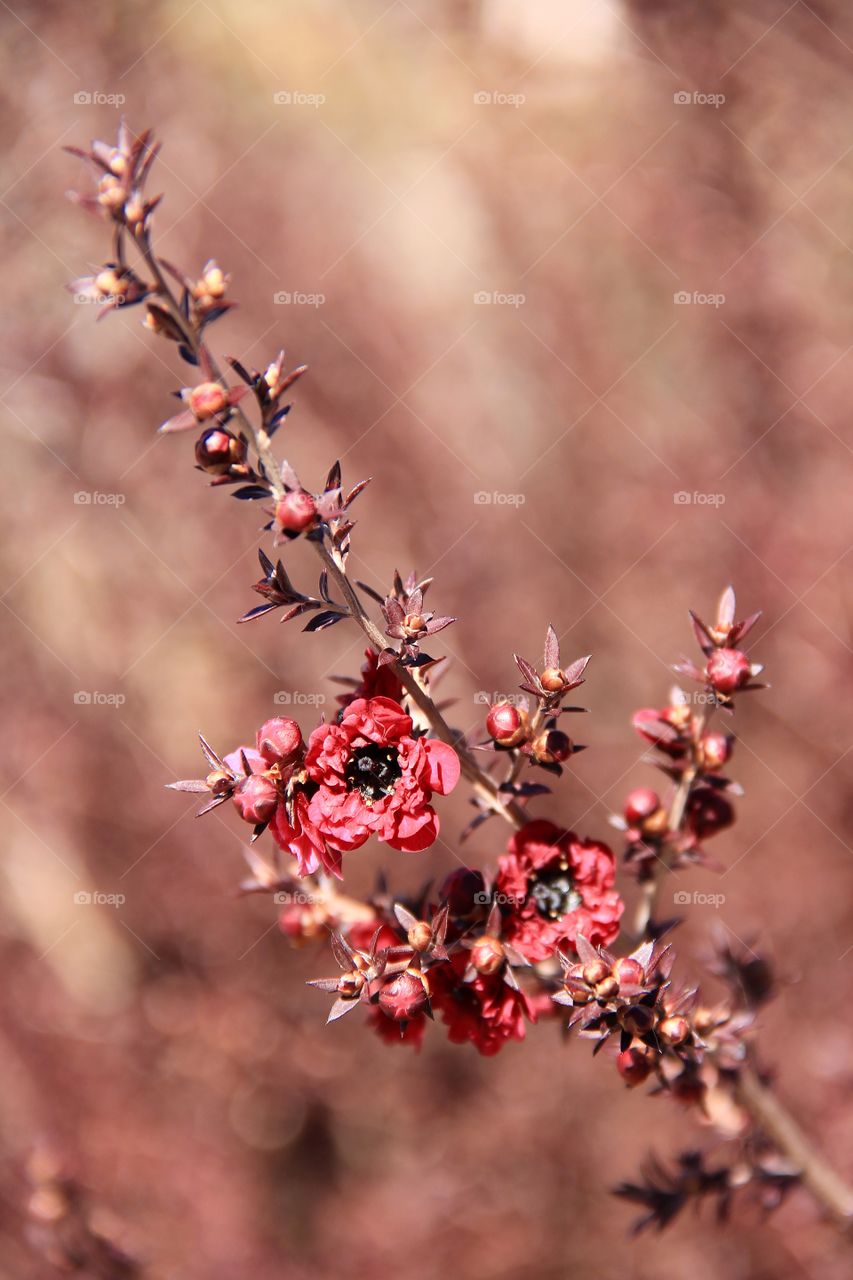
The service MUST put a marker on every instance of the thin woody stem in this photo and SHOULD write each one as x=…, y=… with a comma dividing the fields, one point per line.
x=483, y=785
x=827, y=1187
x=651, y=888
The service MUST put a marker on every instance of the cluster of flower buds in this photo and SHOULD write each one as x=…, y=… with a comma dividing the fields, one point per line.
x=535, y=736
x=122, y=171
x=692, y=756
x=662, y=1033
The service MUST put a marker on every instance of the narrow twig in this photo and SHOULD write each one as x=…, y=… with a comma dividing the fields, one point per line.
x=828, y=1188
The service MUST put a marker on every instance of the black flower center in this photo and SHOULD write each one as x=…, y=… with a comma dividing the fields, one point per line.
x=373, y=770
x=553, y=893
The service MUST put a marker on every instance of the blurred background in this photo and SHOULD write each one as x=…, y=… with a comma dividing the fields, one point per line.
x=575, y=285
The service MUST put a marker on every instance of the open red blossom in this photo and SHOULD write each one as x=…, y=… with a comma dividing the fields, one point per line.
x=486, y=1010
x=297, y=835
x=373, y=777
x=553, y=886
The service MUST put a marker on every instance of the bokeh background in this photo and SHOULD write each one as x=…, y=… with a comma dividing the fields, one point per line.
x=488, y=217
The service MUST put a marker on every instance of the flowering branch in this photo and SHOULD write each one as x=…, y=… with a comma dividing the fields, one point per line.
x=533, y=938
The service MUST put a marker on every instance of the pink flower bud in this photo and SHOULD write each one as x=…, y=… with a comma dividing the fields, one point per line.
x=217, y=450
x=403, y=997
x=640, y=804
x=633, y=1066
x=506, y=724
x=295, y=511
x=716, y=749
x=207, y=399
x=256, y=798
x=487, y=954
x=728, y=670
x=279, y=740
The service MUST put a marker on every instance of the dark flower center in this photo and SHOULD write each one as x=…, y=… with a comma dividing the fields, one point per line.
x=553, y=893
x=373, y=770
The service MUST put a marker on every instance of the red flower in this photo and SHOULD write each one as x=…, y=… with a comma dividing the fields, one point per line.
x=553, y=886
x=485, y=1011
x=374, y=778
x=299, y=837
x=376, y=681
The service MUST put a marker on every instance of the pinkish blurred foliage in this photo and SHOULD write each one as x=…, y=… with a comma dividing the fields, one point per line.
x=165, y=1049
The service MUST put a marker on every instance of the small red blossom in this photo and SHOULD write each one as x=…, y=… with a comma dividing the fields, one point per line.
x=485, y=1010
x=373, y=777
x=553, y=886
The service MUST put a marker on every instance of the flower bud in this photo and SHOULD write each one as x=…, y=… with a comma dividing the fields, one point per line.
x=413, y=625
x=487, y=954
x=256, y=798
x=295, y=511
x=596, y=971
x=552, y=747
x=404, y=997
x=628, y=972
x=607, y=988
x=674, y=1030
x=279, y=740
x=641, y=804
x=715, y=749
x=419, y=936
x=110, y=284
x=207, y=399
x=633, y=1066
x=111, y=192
x=728, y=670
x=552, y=680
x=217, y=450
x=708, y=811
x=220, y=782
x=506, y=724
